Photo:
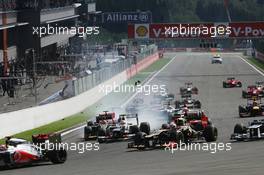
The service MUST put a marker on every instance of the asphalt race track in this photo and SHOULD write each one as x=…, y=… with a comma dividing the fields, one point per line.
x=220, y=104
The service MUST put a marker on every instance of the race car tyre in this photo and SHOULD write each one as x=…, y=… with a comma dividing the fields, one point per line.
x=195, y=90
x=8, y=159
x=254, y=113
x=197, y=104
x=140, y=140
x=144, y=127
x=182, y=90
x=164, y=137
x=239, y=84
x=101, y=132
x=133, y=129
x=240, y=129
x=241, y=111
x=171, y=96
x=165, y=126
x=198, y=127
x=180, y=138
x=173, y=135
x=90, y=123
x=244, y=94
x=57, y=156
x=87, y=132
x=224, y=84
x=177, y=104
x=210, y=133
x=209, y=122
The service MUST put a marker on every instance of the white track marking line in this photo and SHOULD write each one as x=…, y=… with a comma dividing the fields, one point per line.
x=254, y=67
x=133, y=96
x=80, y=127
x=72, y=130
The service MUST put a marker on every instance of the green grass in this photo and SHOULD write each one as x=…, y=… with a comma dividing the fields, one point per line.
x=53, y=127
x=103, y=104
x=256, y=62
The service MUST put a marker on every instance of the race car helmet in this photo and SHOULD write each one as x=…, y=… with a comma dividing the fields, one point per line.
x=103, y=122
x=180, y=122
x=185, y=110
x=255, y=103
x=172, y=125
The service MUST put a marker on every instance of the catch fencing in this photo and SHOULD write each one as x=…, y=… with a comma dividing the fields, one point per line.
x=105, y=73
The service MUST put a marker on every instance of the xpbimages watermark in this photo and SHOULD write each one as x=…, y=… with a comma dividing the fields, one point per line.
x=187, y=30
x=130, y=88
x=60, y=30
x=207, y=147
x=81, y=147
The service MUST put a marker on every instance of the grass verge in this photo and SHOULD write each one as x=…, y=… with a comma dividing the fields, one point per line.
x=103, y=104
x=256, y=62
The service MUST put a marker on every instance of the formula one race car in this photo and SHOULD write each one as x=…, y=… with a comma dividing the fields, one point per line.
x=253, y=90
x=188, y=90
x=188, y=102
x=231, y=82
x=253, y=108
x=125, y=128
x=164, y=96
x=217, y=59
x=254, y=131
x=175, y=134
x=195, y=118
x=94, y=128
x=17, y=152
x=157, y=139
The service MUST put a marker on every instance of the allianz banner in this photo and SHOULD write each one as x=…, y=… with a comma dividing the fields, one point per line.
x=127, y=17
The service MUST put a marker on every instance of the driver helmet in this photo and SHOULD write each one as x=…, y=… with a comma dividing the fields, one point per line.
x=185, y=110
x=172, y=125
x=103, y=122
x=180, y=122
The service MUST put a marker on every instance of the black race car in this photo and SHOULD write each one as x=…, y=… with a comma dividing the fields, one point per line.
x=254, y=131
x=188, y=102
x=124, y=128
x=95, y=128
x=172, y=135
x=188, y=90
x=253, y=108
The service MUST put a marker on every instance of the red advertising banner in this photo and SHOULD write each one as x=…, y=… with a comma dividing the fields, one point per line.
x=196, y=30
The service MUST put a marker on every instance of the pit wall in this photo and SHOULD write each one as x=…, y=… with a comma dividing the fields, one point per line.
x=30, y=118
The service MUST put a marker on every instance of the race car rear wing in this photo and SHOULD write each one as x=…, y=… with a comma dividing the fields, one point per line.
x=188, y=84
x=105, y=116
x=259, y=82
x=42, y=138
x=186, y=95
x=129, y=116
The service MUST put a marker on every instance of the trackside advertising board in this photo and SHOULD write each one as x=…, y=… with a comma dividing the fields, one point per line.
x=127, y=17
x=196, y=30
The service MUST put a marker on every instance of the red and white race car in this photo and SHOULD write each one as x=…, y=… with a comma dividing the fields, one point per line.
x=253, y=90
x=17, y=152
x=231, y=82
